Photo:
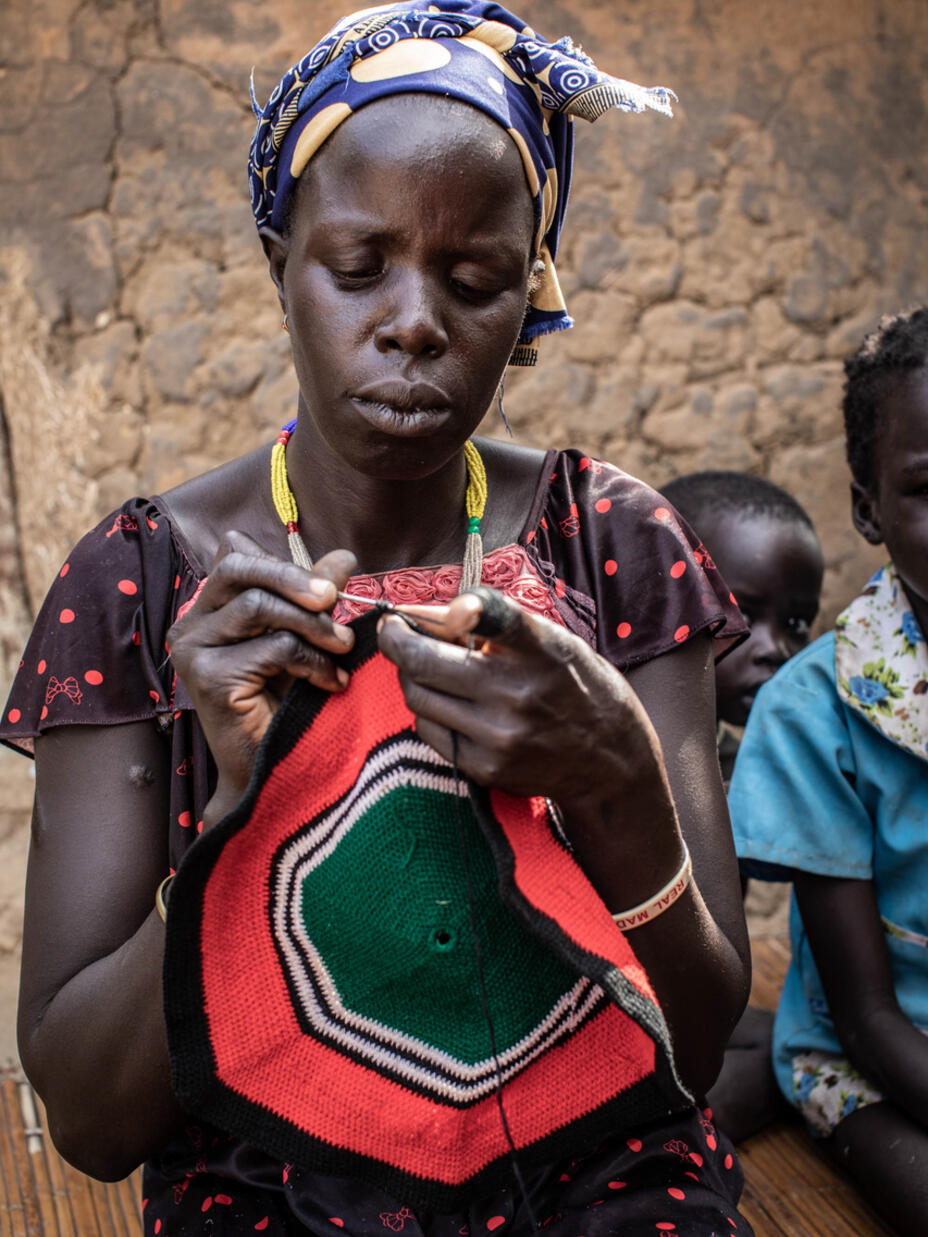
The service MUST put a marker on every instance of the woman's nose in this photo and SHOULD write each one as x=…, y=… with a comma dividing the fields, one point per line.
x=412, y=322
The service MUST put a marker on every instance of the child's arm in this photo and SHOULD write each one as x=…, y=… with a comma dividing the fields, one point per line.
x=848, y=944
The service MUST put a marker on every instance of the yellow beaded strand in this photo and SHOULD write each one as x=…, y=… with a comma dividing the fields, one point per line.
x=475, y=503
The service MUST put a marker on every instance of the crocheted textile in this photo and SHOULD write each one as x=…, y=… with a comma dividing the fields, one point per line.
x=321, y=991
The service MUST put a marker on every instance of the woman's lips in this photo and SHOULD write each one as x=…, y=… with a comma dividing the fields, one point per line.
x=403, y=409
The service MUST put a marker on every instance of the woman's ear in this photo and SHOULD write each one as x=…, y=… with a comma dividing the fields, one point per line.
x=276, y=248
x=865, y=513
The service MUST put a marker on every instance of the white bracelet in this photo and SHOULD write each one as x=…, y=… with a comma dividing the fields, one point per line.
x=644, y=912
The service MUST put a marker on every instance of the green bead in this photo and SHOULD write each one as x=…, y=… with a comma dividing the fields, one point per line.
x=473, y=524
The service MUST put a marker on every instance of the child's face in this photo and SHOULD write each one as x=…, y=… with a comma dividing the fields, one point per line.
x=897, y=514
x=774, y=567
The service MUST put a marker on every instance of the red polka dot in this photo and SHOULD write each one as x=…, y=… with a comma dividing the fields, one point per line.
x=710, y=1142
x=707, y=1113
x=610, y=566
x=177, y=581
x=93, y=677
x=530, y=536
x=13, y=716
x=495, y=1222
x=44, y=713
x=689, y=1174
x=223, y=1200
x=42, y=666
x=728, y=1161
x=731, y=1222
x=603, y=505
x=681, y=633
x=184, y=820
x=661, y=513
x=623, y=631
x=207, y=1203
x=136, y=638
x=617, y=1185
x=633, y=1144
x=129, y=587
x=665, y=1226
x=559, y=588
x=200, y=830
x=157, y=1226
x=675, y=1192
x=678, y=569
x=144, y=1203
x=733, y=599
x=66, y=616
x=336, y=1221
x=696, y=1158
x=262, y=1225
x=564, y=1177
x=584, y=463
x=64, y=570
x=152, y=524
x=286, y=1173
x=155, y=697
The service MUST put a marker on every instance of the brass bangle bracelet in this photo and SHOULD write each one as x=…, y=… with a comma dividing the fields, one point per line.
x=160, y=904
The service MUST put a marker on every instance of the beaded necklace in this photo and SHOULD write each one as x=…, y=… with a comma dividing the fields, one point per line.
x=475, y=502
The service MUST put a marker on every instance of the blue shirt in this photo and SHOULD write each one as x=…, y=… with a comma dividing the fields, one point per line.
x=818, y=788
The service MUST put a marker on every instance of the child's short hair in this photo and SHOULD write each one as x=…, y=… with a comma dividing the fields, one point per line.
x=697, y=495
x=899, y=344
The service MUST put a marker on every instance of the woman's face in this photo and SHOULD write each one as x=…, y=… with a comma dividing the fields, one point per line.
x=404, y=277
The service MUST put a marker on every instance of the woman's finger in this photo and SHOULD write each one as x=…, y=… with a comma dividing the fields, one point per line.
x=437, y=664
x=241, y=564
x=232, y=673
x=256, y=610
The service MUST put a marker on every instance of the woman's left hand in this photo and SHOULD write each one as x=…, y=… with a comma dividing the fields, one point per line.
x=528, y=707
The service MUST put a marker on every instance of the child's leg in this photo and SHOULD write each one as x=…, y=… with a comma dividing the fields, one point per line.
x=746, y=1097
x=887, y=1155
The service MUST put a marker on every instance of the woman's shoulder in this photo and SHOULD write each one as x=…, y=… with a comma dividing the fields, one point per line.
x=615, y=539
x=96, y=654
x=202, y=509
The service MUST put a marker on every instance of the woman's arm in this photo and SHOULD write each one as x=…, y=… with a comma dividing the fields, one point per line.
x=842, y=922
x=91, y=1028
x=632, y=763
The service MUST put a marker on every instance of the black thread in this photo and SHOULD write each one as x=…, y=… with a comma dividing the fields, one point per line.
x=465, y=859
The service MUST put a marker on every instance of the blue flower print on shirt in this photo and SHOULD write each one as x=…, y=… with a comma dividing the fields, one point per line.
x=849, y=1105
x=910, y=628
x=806, y=1083
x=868, y=691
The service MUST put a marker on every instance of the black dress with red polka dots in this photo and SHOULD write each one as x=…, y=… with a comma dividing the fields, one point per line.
x=600, y=553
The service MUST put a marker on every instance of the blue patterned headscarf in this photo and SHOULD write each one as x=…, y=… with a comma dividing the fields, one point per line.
x=470, y=50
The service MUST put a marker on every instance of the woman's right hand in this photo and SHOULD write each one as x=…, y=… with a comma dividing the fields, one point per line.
x=259, y=623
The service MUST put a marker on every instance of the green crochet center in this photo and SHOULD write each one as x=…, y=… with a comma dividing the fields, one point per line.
x=405, y=957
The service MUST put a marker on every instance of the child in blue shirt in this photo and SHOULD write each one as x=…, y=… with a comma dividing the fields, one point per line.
x=831, y=791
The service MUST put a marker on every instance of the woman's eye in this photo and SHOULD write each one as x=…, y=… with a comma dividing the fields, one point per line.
x=798, y=626
x=472, y=291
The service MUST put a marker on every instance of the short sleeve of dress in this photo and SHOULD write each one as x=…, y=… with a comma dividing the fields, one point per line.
x=792, y=800
x=96, y=655
x=614, y=539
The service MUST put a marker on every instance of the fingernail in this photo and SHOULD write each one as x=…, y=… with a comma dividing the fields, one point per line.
x=342, y=676
x=344, y=634
x=322, y=589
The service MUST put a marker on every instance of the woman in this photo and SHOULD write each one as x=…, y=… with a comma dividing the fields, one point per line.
x=410, y=264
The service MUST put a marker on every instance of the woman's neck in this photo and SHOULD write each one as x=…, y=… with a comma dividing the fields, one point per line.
x=385, y=523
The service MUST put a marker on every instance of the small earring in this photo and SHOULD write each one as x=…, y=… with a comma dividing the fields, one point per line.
x=283, y=325
x=499, y=404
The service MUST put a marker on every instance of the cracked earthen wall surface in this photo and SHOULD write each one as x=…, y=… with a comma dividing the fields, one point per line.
x=719, y=266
